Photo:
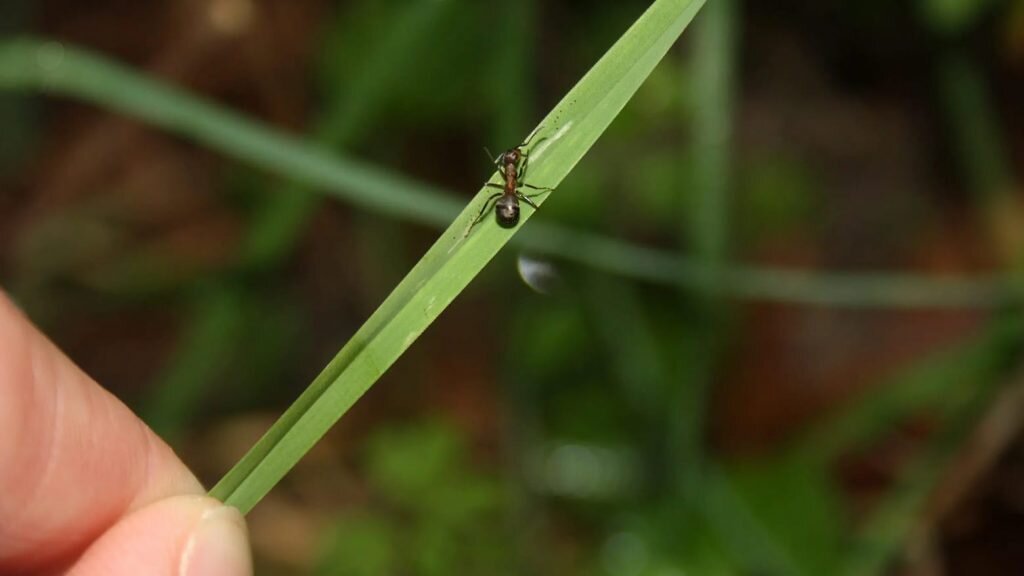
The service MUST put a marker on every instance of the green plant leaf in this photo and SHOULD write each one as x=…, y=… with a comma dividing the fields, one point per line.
x=560, y=141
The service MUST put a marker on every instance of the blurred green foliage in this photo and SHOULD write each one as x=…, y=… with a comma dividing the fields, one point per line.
x=954, y=16
x=430, y=512
x=796, y=502
x=778, y=198
x=604, y=375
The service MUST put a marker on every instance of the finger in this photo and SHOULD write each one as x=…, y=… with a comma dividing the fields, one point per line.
x=180, y=536
x=74, y=458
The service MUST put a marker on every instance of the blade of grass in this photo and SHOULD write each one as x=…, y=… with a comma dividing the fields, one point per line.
x=28, y=64
x=948, y=373
x=571, y=129
x=211, y=334
x=892, y=523
x=708, y=228
x=53, y=68
x=714, y=79
x=764, y=283
x=975, y=127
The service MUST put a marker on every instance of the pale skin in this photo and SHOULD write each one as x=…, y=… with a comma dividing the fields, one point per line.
x=86, y=488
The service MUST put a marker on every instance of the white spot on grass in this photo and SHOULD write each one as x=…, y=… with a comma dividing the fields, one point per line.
x=410, y=339
x=538, y=151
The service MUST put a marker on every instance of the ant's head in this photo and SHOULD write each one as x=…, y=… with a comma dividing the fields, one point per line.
x=511, y=156
x=506, y=210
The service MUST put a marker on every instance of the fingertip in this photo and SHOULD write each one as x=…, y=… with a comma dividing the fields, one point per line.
x=219, y=546
x=180, y=536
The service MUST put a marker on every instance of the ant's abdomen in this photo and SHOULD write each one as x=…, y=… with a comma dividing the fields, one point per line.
x=507, y=211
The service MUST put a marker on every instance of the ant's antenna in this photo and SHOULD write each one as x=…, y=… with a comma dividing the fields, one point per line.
x=491, y=157
x=530, y=137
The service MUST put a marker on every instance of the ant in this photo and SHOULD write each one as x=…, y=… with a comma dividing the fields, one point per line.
x=512, y=165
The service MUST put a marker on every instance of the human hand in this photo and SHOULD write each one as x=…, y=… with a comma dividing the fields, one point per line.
x=86, y=488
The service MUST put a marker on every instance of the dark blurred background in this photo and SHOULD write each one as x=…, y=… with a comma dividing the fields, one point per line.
x=831, y=383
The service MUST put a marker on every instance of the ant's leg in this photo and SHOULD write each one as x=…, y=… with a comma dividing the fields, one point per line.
x=526, y=158
x=483, y=211
x=526, y=199
x=532, y=187
x=529, y=138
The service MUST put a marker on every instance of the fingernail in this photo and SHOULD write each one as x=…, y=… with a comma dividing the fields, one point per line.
x=219, y=546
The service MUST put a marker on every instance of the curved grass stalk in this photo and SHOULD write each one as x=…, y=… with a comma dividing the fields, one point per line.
x=36, y=65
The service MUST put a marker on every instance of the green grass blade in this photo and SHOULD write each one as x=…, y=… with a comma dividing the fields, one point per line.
x=892, y=523
x=715, y=74
x=212, y=332
x=569, y=131
x=707, y=224
x=54, y=68
x=28, y=64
